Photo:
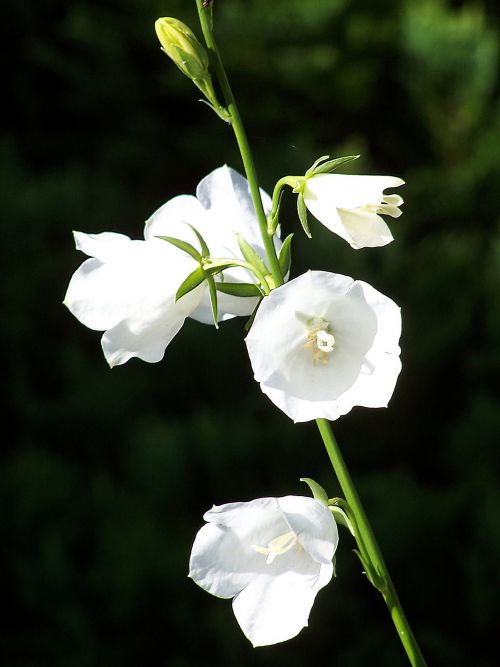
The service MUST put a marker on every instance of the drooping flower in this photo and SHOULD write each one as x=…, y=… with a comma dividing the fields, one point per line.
x=351, y=206
x=127, y=289
x=222, y=207
x=272, y=556
x=323, y=343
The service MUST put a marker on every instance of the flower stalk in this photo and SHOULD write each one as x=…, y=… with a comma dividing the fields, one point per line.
x=370, y=552
x=383, y=580
x=205, y=15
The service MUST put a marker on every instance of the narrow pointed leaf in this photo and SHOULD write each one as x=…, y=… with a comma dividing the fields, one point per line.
x=213, y=299
x=193, y=280
x=238, y=289
x=182, y=245
x=331, y=165
x=285, y=258
x=251, y=256
x=204, y=248
x=302, y=211
x=317, y=490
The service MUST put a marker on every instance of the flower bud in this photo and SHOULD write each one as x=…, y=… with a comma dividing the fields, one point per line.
x=181, y=45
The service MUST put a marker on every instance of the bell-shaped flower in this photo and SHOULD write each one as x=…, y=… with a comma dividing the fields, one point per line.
x=323, y=343
x=222, y=208
x=272, y=556
x=351, y=206
x=127, y=289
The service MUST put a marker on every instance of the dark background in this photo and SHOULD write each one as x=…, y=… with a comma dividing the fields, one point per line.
x=107, y=473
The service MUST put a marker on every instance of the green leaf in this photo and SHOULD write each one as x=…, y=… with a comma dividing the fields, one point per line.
x=213, y=299
x=204, y=248
x=317, y=490
x=251, y=256
x=182, y=245
x=285, y=258
x=192, y=281
x=302, y=211
x=331, y=165
x=238, y=289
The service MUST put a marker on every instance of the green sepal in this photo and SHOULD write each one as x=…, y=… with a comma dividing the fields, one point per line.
x=204, y=248
x=273, y=217
x=311, y=169
x=285, y=258
x=372, y=576
x=317, y=490
x=213, y=299
x=212, y=266
x=250, y=255
x=331, y=165
x=193, y=68
x=341, y=518
x=183, y=245
x=302, y=211
x=238, y=289
x=192, y=281
x=250, y=320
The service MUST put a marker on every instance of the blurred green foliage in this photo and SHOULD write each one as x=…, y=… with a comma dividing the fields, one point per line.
x=106, y=474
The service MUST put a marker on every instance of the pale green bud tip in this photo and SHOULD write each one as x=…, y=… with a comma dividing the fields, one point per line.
x=180, y=44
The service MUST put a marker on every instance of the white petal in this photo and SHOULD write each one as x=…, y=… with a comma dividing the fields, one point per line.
x=223, y=559
x=103, y=246
x=91, y=295
x=134, y=283
x=274, y=609
x=276, y=341
x=147, y=340
x=228, y=307
x=313, y=524
x=345, y=191
x=220, y=563
x=173, y=218
x=361, y=370
x=225, y=190
x=364, y=229
x=338, y=201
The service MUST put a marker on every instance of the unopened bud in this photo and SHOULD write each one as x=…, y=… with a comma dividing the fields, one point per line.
x=181, y=45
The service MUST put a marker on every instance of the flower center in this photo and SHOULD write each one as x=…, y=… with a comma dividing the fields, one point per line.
x=319, y=340
x=276, y=547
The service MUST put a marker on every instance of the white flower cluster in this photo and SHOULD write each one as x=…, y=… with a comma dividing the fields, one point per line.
x=318, y=345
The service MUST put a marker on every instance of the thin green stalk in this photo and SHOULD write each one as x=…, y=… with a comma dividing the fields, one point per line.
x=241, y=138
x=368, y=544
x=386, y=586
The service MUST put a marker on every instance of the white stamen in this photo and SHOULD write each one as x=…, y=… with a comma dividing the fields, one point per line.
x=276, y=547
x=319, y=340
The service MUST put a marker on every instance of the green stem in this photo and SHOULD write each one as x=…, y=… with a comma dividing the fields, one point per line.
x=204, y=14
x=368, y=539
